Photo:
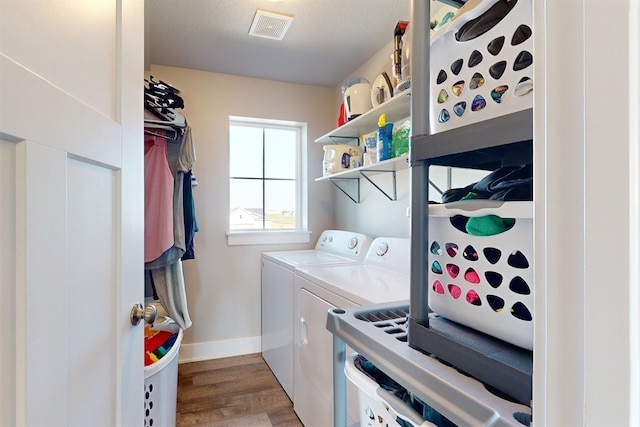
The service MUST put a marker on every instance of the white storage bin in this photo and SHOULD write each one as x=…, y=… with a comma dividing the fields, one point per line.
x=161, y=382
x=378, y=407
x=491, y=291
x=477, y=79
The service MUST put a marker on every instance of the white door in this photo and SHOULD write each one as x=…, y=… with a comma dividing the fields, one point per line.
x=71, y=227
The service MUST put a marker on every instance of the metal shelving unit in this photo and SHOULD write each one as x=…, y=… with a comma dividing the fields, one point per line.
x=505, y=140
x=379, y=332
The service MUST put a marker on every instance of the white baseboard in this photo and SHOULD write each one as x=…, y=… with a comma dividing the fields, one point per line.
x=217, y=349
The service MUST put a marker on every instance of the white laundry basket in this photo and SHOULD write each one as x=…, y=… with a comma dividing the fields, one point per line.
x=161, y=382
x=499, y=299
x=377, y=407
x=486, y=76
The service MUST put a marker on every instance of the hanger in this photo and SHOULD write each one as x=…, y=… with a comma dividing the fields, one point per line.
x=156, y=109
x=165, y=136
x=165, y=94
x=166, y=99
x=178, y=121
x=165, y=115
x=161, y=86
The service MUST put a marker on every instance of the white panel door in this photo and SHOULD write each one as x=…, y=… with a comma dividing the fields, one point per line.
x=71, y=212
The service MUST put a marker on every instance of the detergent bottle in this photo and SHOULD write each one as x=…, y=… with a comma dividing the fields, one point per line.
x=385, y=135
x=337, y=158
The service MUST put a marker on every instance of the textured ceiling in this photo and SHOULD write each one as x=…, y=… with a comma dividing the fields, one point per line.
x=327, y=40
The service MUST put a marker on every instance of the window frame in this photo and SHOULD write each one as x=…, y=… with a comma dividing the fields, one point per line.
x=299, y=234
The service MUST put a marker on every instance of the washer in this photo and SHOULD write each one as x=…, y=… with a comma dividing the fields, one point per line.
x=334, y=247
x=383, y=276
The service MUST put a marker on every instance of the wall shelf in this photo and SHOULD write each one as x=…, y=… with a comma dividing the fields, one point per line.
x=348, y=182
x=353, y=176
x=391, y=165
x=396, y=108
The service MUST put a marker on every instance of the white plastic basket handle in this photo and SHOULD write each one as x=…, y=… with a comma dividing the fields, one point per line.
x=471, y=10
x=396, y=407
x=479, y=207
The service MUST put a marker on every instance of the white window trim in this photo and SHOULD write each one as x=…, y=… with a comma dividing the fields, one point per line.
x=267, y=237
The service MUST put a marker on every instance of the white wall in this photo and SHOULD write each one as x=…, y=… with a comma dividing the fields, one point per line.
x=223, y=282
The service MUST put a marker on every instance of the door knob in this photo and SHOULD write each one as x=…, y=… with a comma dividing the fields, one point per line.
x=138, y=313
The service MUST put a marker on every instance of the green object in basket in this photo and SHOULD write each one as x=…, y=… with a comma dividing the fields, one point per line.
x=489, y=225
x=400, y=143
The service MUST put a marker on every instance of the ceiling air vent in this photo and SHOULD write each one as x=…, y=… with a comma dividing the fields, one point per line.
x=270, y=25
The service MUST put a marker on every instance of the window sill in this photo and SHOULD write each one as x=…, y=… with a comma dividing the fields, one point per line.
x=235, y=238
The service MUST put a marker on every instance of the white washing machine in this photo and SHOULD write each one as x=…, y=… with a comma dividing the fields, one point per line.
x=333, y=247
x=383, y=276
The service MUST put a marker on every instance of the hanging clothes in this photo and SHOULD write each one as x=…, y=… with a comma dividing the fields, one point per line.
x=158, y=198
x=190, y=223
x=178, y=247
x=168, y=282
x=170, y=167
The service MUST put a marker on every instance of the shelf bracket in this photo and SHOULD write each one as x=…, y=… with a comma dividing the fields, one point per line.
x=436, y=187
x=357, y=182
x=394, y=195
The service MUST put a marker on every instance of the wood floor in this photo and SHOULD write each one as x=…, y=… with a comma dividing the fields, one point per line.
x=232, y=392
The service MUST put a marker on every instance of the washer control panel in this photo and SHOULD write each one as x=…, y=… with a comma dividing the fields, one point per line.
x=391, y=252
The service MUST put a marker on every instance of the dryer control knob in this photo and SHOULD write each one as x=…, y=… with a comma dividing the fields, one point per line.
x=353, y=242
x=382, y=249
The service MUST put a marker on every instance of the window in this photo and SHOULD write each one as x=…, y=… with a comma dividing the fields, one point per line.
x=266, y=192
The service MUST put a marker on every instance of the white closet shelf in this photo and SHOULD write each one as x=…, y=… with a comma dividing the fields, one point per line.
x=396, y=108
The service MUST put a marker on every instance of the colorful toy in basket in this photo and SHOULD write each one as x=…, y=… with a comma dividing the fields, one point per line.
x=483, y=280
x=481, y=64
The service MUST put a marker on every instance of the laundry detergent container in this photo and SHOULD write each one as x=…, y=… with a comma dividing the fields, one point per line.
x=162, y=344
x=482, y=65
x=480, y=267
x=340, y=157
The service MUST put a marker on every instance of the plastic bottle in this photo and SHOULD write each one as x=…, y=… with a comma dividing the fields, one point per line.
x=385, y=135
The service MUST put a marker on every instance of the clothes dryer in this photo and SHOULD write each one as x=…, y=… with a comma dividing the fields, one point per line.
x=334, y=247
x=383, y=276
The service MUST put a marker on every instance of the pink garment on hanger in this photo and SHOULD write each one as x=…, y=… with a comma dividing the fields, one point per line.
x=158, y=197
